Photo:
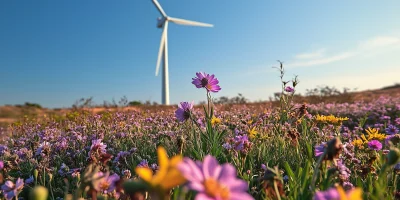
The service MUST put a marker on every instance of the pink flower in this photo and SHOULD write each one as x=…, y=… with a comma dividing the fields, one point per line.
x=98, y=146
x=10, y=190
x=207, y=81
x=105, y=183
x=213, y=181
x=375, y=145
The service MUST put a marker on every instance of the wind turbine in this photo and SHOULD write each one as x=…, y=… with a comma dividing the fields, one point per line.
x=163, y=52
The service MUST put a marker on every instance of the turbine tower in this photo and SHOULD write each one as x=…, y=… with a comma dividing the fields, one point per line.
x=163, y=52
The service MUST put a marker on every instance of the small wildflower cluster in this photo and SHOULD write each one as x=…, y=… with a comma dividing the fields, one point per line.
x=330, y=119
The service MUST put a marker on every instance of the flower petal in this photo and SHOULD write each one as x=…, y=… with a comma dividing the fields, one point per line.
x=211, y=167
x=144, y=173
x=202, y=196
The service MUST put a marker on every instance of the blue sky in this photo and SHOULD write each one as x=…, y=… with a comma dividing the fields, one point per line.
x=55, y=52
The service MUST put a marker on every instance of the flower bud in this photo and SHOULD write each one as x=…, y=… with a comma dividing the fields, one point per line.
x=393, y=156
x=334, y=148
x=39, y=193
x=35, y=174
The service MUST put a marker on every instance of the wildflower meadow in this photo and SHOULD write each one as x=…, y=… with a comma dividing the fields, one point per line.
x=291, y=151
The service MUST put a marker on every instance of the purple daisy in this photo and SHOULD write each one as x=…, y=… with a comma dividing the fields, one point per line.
x=289, y=89
x=207, y=81
x=391, y=130
x=10, y=190
x=98, y=146
x=213, y=181
x=183, y=111
x=105, y=183
x=375, y=145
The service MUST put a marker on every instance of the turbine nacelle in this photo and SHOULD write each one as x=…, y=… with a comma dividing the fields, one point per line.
x=161, y=22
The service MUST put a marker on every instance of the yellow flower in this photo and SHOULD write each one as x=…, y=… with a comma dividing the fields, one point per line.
x=358, y=143
x=215, y=120
x=168, y=176
x=252, y=132
x=364, y=138
x=354, y=194
x=330, y=119
x=373, y=134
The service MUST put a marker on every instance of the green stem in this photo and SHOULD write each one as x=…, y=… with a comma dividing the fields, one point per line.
x=314, y=178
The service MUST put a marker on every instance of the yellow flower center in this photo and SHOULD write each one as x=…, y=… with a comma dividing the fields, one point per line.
x=104, y=185
x=214, y=189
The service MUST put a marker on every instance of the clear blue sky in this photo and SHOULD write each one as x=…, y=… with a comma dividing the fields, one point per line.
x=55, y=52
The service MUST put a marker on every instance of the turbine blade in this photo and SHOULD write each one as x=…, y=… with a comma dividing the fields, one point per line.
x=188, y=22
x=161, y=50
x=159, y=8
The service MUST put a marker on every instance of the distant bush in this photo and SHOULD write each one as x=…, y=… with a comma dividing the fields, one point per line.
x=32, y=105
x=239, y=99
x=326, y=91
x=135, y=103
x=29, y=105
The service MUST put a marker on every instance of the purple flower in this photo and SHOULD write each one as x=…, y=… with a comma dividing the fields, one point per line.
x=63, y=170
x=240, y=142
x=397, y=166
x=331, y=193
x=10, y=190
x=264, y=167
x=154, y=167
x=143, y=163
x=227, y=146
x=29, y=180
x=1, y=165
x=391, y=130
x=389, y=138
x=121, y=155
x=183, y=111
x=104, y=183
x=42, y=147
x=98, y=146
x=348, y=186
x=4, y=148
x=289, y=89
x=75, y=172
x=319, y=150
x=213, y=181
x=207, y=81
x=344, y=172
x=375, y=145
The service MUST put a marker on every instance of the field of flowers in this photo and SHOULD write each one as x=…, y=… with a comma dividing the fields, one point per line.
x=293, y=151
